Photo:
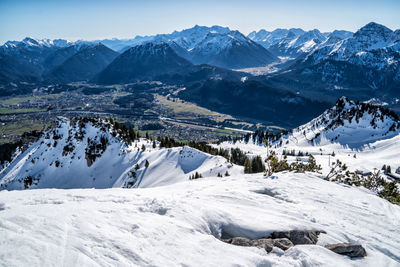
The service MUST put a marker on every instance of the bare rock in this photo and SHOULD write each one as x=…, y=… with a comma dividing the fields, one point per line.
x=299, y=237
x=265, y=243
x=282, y=243
x=238, y=241
x=351, y=250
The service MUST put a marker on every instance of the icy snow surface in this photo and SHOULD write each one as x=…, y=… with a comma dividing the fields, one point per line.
x=177, y=225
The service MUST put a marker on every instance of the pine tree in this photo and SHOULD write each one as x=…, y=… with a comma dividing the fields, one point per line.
x=146, y=164
x=247, y=165
x=154, y=144
x=143, y=147
x=137, y=167
x=227, y=173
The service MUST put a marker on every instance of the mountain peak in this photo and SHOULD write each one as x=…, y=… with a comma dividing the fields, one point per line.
x=144, y=61
x=374, y=29
x=30, y=41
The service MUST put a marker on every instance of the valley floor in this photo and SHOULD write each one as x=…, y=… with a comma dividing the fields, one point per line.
x=178, y=224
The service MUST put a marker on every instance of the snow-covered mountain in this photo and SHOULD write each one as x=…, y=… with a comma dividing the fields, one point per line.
x=294, y=42
x=370, y=38
x=35, y=43
x=213, y=45
x=91, y=153
x=294, y=45
x=366, y=65
x=190, y=38
x=230, y=50
x=217, y=46
x=363, y=136
x=268, y=39
x=349, y=124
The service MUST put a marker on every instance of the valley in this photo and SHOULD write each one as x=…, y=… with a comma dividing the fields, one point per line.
x=139, y=105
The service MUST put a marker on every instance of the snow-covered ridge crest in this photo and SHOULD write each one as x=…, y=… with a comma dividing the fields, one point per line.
x=95, y=153
x=350, y=124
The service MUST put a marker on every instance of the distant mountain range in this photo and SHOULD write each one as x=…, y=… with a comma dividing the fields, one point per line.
x=309, y=64
x=362, y=66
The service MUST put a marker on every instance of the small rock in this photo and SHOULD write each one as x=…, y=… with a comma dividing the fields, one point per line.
x=265, y=243
x=282, y=243
x=238, y=241
x=299, y=237
x=351, y=250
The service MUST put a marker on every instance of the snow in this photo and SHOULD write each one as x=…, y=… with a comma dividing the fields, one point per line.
x=112, y=168
x=165, y=219
x=178, y=224
x=357, y=144
x=373, y=45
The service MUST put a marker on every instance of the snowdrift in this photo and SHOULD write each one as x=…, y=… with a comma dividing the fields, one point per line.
x=180, y=224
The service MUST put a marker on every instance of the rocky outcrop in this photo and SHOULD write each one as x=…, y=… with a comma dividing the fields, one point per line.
x=265, y=243
x=299, y=237
x=351, y=250
x=287, y=239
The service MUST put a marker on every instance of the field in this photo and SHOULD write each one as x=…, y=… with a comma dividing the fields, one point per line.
x=181, y=108
x=4, y=111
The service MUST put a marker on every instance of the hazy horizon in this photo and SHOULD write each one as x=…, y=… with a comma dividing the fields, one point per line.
x=123, y=19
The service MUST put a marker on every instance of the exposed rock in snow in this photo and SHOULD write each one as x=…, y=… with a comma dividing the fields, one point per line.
x=299, y=237
x=350, y=250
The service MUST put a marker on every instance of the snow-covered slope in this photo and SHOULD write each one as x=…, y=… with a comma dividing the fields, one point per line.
x=351, y=124
x=178, y=225
x=363, y=136
x=85, y=154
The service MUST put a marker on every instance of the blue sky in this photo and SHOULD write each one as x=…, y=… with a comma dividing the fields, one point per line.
x=98, y=19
